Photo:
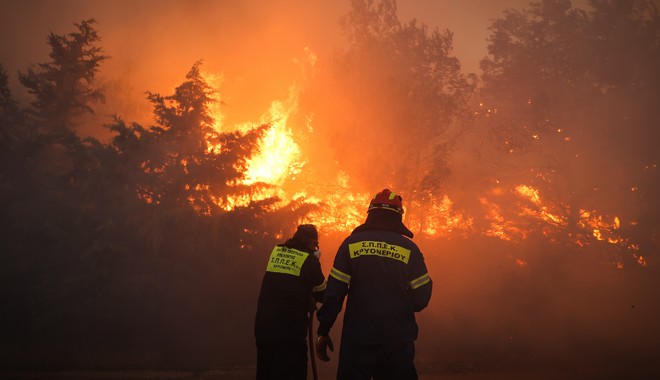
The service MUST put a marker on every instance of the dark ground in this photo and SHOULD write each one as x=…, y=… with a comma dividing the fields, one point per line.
x=326, y=372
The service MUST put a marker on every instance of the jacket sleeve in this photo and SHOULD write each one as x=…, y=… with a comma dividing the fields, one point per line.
x=315, y=278
x=420, y=285
x=335, y=293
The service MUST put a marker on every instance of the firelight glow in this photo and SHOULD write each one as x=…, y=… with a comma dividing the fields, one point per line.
x=279, y=163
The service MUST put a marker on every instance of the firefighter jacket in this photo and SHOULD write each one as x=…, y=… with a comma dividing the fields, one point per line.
x=386, y=280
x=292, y=283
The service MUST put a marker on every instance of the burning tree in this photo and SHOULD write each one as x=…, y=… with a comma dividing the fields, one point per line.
x=126, y=232
x=183, y=160
x=565, y=109
x=385, y=106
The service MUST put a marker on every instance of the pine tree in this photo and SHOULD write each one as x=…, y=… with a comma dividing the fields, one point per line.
x=64, y=87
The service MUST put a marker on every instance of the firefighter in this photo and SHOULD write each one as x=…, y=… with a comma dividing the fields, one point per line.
x=290, y=288
x=384, y=275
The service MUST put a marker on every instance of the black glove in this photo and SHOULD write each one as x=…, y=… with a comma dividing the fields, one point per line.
x=322, y=343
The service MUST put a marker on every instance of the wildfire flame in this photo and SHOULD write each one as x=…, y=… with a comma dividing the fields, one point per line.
x=279, y=156
x=279, y=163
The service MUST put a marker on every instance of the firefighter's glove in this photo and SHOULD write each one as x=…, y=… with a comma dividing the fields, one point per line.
x=323, y=342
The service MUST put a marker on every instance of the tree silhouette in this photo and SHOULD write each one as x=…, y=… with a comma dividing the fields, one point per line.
x=569, y=92
x=389, y=102
x=64, y=87
x=125, y=249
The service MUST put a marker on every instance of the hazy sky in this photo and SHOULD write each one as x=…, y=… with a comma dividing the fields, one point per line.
x=252, y=44
x=24, y=23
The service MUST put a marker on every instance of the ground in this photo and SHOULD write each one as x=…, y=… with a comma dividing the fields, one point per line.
x=326, y=372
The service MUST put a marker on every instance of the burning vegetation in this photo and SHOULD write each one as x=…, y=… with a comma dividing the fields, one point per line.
x=531, y=188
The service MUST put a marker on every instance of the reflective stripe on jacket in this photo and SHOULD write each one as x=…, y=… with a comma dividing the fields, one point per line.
x=386, y=280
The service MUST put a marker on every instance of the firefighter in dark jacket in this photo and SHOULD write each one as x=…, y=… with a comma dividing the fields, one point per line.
x=384, y=275
x=291, y=286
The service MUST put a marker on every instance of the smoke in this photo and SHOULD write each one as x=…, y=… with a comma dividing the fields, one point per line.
x=252, y=44
x=153, y=44
x=563, y=309
x=487, y=311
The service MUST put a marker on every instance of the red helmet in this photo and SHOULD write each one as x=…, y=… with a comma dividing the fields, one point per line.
x=387, y=200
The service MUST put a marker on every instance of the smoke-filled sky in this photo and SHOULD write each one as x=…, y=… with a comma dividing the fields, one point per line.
x=252, y=44
x=173, y=30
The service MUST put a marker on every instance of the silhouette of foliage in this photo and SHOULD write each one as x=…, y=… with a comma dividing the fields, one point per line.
x=398, y=91
x=569, y=93
x=123, y=252
x=64, y=87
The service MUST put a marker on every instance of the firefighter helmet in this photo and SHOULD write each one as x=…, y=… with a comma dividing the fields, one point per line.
x=387, y=200
x=307, y=234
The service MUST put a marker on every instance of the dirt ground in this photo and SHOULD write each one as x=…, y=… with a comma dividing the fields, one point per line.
x=327, y=373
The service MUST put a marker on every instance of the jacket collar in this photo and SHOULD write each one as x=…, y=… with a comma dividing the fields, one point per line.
x=384, y=220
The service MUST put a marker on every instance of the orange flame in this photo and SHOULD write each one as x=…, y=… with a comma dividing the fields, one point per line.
x=279, y=163
x=279, y=155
